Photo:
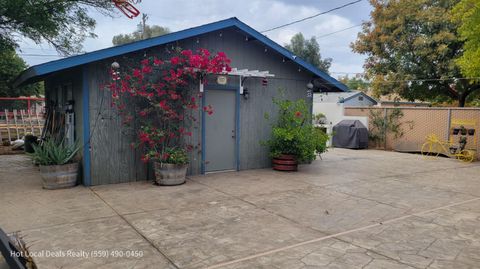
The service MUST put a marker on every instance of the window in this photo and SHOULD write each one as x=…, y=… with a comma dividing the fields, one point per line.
x=360, y=98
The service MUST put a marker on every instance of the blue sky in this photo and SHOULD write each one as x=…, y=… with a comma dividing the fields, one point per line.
x=260, y=14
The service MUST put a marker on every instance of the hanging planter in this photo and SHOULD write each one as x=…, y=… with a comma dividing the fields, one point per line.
x=456, y=131
x=471, y=132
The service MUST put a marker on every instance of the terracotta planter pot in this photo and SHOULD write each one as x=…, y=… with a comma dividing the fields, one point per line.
x=59, y=176
x=167, y=174
x=285, y=162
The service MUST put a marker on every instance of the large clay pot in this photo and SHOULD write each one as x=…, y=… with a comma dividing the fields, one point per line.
x=59, y=176
x=167, y=174
x=285, y=162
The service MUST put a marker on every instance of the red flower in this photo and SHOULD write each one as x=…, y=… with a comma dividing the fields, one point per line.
x=165, y=156
x=157, y=62
x=137, y=74
x=147, y=69
x=145, y=62
x=143, y=113
x=144, y=138
x=174, y=60
x=298, y=114
x=145, y=158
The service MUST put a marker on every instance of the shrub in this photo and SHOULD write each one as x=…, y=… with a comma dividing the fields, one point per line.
x=54, y=152
x=294, y=134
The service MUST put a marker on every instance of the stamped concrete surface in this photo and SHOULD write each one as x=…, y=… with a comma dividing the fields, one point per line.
x=353, y=209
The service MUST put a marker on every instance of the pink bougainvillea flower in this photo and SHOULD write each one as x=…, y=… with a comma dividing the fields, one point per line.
x=147, y=69
x=157, y=62
x=174, y=60
x=143, y=113
x=137, y=74
x=145, y=61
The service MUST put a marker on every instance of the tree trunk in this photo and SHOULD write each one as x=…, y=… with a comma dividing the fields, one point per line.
x=461, y=99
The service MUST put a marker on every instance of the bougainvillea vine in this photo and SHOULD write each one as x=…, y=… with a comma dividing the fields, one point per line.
x=158, y=94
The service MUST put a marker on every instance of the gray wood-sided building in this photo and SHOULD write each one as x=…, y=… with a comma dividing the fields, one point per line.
x=227, y=140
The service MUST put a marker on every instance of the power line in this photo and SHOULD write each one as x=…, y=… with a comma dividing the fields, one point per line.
x=311, y=17
x=341, y=30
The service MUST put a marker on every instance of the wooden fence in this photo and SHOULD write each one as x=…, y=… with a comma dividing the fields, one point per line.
x=17, y=123
x=418, y=122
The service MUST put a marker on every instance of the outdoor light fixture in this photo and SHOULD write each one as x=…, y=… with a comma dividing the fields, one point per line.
x=115, y=65
x=245, y=93
x=309, y=85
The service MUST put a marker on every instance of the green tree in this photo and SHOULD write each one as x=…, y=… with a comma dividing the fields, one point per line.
x=357, y=84
x=64, y=24
x=143, y=31
x=309, y=50
x=150, y=31
x=411, y=48
x=467, y=14
x=10, y=66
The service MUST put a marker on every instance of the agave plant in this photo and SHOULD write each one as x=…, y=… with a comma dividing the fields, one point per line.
x=54, y=152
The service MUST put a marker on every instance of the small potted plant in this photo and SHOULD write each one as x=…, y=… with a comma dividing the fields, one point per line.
x=170, y=167
x=463, y=130
x=294, y=138
x=58, y=167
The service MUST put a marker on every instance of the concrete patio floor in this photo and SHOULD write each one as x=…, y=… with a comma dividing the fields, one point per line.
x=353, y=209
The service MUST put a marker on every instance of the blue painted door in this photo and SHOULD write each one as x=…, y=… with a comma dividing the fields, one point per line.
x=220, y=131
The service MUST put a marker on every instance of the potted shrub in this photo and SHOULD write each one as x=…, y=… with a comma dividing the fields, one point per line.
x=294, y=139
x=164, y=96
x=58, y=167
x=171, y=169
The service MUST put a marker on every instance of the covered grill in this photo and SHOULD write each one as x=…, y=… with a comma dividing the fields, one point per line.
x=350, y=134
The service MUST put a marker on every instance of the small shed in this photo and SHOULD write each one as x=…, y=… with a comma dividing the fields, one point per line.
x=228, y=140
x=351, y=134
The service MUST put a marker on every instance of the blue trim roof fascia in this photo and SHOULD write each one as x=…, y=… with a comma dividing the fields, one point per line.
x=49, y=67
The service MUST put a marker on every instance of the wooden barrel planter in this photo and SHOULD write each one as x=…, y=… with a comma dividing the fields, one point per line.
x=285, y=162
x=167, y=174
x=59, y=176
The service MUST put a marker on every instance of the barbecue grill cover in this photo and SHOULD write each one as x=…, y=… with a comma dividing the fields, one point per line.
x=351, y=134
